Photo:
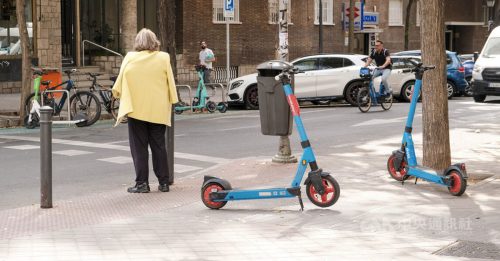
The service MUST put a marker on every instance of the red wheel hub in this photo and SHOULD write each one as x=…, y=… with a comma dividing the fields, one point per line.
x=456, y=182
x=329, y=190
x=206, y=195
x=397, y=173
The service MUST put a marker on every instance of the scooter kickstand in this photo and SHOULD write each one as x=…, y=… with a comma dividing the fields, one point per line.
x=416, y=180
x=300, y=202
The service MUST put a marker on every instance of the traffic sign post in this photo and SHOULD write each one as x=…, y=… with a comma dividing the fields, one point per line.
x=228, y=13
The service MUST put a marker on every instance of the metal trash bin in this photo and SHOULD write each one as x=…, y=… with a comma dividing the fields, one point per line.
x=275, y=115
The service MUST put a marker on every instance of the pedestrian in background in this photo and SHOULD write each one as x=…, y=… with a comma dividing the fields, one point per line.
x=207, y=57
x=146, y=88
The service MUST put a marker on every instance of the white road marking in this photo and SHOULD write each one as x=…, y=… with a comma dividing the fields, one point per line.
x=23, y=147
x=240, y=128
x=179, y=168
x=115, y=142
x=71, y=152
x=382, y=121
x=180, y=155
x=118, y=160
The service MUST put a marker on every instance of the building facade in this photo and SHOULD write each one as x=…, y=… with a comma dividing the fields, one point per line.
x=59, y=27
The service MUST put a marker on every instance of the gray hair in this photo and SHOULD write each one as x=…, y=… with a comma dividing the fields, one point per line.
x=146, y=40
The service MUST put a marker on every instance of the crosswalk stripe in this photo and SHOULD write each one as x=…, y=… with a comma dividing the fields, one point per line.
x=179, y=168
x=71, y=152
x=23, y=147
x=180, y=155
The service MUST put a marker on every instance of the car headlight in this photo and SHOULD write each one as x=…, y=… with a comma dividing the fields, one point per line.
x=236, y=84
x=477, y=72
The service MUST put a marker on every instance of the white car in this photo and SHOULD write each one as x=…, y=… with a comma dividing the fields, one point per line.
x=401, y=83
x=325, y=78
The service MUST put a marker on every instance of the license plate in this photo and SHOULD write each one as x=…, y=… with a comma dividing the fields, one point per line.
x=495, y=85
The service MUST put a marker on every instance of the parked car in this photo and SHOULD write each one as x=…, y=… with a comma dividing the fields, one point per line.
x=324, y=78
x=486, y=73
x=456, y=83
x=401, y=83
x=468, y=63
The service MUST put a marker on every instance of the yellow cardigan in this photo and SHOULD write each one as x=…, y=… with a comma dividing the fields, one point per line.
x=146, y=87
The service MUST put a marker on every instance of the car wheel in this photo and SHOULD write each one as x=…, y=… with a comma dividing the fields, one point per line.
x=479, y=98
x=450, y=89
x=251, y=98
x=351, y=92
x=406, y=91
x=468, y=89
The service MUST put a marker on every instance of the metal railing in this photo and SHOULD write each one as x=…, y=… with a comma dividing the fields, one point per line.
x=97, y=45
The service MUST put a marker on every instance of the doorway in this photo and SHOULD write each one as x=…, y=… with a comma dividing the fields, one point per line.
x=68, y=32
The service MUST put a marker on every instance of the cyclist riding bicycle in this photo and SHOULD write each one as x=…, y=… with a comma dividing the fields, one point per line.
x=382, y=59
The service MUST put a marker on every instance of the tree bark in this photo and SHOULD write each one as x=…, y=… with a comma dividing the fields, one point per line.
x=25, y=50
x=128, y=24
x=351, y=26
x=407, y=22
x=166, y=10
x=436, y=141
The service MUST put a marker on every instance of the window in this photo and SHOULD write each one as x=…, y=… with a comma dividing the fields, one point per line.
x=10, y=42
x=398, y=63
x=327, y=6
x=218, y=12
x=330, y=63
x=274, y=9
x=307, y=64
x=348, y=62
x=395, y=12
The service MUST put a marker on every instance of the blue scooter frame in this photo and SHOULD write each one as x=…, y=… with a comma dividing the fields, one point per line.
x=403, y=163
x=322, y=189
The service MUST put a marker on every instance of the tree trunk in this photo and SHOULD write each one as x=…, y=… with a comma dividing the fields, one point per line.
x=435, y=102
x=128, y=24
x=166, y=10
x=25, y=50
x=351, y=26
x=407, y=22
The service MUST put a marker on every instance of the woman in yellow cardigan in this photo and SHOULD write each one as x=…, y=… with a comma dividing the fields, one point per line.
x=146, y=89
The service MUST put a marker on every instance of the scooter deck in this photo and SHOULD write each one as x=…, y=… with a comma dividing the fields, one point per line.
x=426, y=174
x=249, y=194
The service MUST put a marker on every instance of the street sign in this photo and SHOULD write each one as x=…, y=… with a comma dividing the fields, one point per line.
x=229, y=8
x=348, y=12
x=357, y=16
x=371, y=18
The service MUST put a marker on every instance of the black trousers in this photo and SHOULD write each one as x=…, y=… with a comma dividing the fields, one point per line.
x=142, y=134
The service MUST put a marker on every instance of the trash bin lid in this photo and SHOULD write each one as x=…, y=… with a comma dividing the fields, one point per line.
x=274, y=65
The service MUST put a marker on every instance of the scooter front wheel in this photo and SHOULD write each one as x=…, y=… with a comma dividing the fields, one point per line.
x=331, y=195
x=205, y=195
x=397, y=174
x=457, y=183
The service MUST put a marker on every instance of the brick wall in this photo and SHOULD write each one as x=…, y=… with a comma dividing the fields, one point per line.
x=10, y=87
x=108, y=64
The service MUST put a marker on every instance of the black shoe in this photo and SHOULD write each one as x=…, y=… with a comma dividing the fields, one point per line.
x=163, y=188
x=139, y=188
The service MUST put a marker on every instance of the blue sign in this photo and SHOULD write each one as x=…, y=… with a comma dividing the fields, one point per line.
x=371, y=18
x=228, y=8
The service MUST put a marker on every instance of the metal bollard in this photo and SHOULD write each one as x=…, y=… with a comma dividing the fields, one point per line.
x=170, y=148
x=46, y=156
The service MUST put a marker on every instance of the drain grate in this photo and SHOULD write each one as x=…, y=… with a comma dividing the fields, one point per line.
x=471, y=249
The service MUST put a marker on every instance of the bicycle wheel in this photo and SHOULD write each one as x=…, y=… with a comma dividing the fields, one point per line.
x=364, y=100
x=87, y=104
x=114, y=107
x=386, y=103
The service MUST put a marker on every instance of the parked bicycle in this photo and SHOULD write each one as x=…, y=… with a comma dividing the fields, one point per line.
x=368, y=96
x=83, y=104
x=108, y=102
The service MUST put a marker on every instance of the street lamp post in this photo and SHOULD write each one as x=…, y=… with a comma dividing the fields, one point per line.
x=490, y=4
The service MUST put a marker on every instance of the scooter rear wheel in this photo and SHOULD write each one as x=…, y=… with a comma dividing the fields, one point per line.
x=397, y=174
x=205, y=195
x=458, y=183
x=331, y=195
x=222, y=107
x=180, y=104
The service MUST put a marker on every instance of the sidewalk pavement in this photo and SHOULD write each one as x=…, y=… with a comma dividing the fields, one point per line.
x=376, y=218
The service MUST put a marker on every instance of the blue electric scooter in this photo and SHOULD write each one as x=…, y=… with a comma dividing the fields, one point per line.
x=321, y=188
x=403, y=162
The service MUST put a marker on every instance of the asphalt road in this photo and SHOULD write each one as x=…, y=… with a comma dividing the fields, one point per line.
x=96, y=159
